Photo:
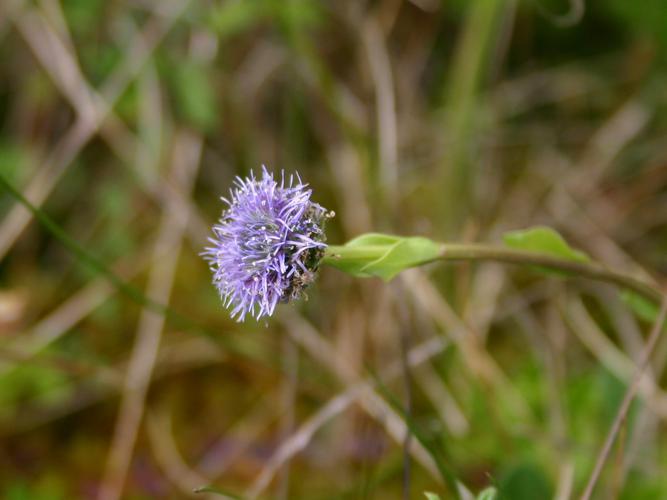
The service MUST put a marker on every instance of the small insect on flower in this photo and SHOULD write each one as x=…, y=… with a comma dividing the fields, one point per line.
x=267, y=245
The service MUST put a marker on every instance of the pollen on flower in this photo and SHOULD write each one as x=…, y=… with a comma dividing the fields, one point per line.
x=267, y=245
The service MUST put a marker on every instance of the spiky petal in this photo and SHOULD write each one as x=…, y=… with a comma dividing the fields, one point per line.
x=267, y=244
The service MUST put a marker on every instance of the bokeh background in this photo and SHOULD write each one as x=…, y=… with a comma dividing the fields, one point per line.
x=125, y=121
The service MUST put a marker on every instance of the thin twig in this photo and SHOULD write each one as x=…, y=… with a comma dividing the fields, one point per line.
x=627, y=400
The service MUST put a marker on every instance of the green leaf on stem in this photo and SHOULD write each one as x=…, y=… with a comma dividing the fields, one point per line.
x=643, y=308
x=542, y=239
x=216, y=491
x=489, y=493
x=431, y=496
x=381, y=255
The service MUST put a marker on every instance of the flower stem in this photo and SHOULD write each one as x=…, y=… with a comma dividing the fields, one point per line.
x=481, y=252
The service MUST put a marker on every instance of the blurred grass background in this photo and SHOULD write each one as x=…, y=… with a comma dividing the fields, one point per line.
x=125, y=121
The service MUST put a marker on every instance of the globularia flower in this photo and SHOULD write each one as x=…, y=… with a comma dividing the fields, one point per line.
x=267, y=245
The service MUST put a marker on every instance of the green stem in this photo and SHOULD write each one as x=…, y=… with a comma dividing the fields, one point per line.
x=479, y=252
x=470, y=66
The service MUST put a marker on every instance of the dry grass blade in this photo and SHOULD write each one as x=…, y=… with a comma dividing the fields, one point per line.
x=165, y=450
x=55, y=324
x=300, y=439
x=87, y=123
x=306, y=336
x=480, y=363
x=611, y=357
x=627, y=400
x=386, y=120
x=186, y=155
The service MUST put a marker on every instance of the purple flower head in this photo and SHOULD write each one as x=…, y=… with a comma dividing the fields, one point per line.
x=267, y=245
